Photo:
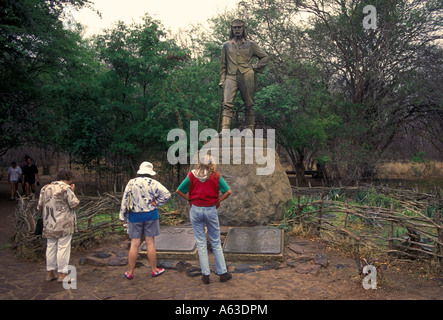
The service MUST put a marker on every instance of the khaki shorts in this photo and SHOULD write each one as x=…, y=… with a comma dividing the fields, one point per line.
x=149, y=228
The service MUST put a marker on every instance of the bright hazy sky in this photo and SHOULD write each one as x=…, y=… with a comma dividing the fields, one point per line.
x=173, y=14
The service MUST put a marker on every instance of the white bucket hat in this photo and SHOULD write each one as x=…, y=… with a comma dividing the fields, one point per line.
x=146, y=168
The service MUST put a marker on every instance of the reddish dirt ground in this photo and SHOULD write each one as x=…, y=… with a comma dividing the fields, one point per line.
x=339, y=280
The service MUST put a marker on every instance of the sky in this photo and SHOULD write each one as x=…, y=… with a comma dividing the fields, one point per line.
x=173, y=14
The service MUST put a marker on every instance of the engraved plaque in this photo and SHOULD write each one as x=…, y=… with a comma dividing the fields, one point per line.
x=177, y=239
x=253, y=241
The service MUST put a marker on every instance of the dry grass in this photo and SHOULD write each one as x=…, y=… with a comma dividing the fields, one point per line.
x=411, y=170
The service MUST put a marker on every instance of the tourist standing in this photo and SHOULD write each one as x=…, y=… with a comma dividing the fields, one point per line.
x=140, y=200
x=203, y=186
x=30, y=176
x=14, y=174
x=57, y=202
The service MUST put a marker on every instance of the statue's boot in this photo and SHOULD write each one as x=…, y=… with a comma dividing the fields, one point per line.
x=226, y=123
x=250, y=119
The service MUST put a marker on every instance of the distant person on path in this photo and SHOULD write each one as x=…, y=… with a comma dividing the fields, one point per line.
x=203, y=186
x=57, y=202
x=14, y=175
x=30, y=176
x=22, y=165
x=139, y=205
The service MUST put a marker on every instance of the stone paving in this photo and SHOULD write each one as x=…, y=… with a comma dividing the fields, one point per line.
x=96, y=279
x=310, y=271
x=307, y=275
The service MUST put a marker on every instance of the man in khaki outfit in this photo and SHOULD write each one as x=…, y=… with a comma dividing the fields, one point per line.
x=237, y=73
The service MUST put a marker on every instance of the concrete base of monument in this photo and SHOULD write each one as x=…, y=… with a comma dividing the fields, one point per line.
x=254, y=244
x=241, y=244
x=174, y=243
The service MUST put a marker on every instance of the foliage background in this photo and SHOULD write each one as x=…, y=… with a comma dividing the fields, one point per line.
x=340, y=97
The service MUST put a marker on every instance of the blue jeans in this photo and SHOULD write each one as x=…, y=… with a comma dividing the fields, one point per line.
x=199, y=217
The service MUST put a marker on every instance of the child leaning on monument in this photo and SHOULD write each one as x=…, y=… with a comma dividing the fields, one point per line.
x=201, y=188
x=139, y=205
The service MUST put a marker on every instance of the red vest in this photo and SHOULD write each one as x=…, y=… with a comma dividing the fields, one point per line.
x=204, y=194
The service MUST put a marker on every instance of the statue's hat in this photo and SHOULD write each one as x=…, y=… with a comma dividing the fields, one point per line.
x=237, y=23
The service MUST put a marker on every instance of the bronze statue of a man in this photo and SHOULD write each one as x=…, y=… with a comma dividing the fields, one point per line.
x=237, y=73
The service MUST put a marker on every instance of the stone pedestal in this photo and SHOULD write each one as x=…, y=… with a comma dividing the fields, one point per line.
x=259, y=184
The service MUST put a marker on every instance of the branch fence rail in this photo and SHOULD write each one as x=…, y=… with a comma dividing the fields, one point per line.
x=404, y=223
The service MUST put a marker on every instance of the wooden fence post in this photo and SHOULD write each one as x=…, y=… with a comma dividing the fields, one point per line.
x=298, y=207
x=320, y=214
x=297, y=217
x=345, y=219
x=437, y=220
x=391, y=228
x=112, y=222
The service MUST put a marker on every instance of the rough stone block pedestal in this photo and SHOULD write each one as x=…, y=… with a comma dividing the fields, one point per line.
x=257, y=198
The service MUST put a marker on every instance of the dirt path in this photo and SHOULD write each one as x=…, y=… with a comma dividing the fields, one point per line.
x=339, y=280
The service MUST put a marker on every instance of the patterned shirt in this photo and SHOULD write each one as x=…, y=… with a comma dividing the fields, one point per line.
x=57, y=202
x=141, y=191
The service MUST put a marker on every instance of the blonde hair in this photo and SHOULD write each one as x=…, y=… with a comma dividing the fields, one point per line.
x=207, y=164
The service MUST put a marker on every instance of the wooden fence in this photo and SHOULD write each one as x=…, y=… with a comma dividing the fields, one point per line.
x=403, y=223
x=97, y=217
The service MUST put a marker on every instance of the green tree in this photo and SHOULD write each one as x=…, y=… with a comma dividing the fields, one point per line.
x=381, y=82
x=299, y=111
x=33, y=46
x=378, y=74
x=138, y=60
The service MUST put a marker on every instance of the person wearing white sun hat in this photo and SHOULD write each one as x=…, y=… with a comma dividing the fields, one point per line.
x=140, y=200
x=146, y=168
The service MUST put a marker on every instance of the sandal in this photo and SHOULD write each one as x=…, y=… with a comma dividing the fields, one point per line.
x=61, y=277
x=51, y=278
x=129, y=276
x=159, y=272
